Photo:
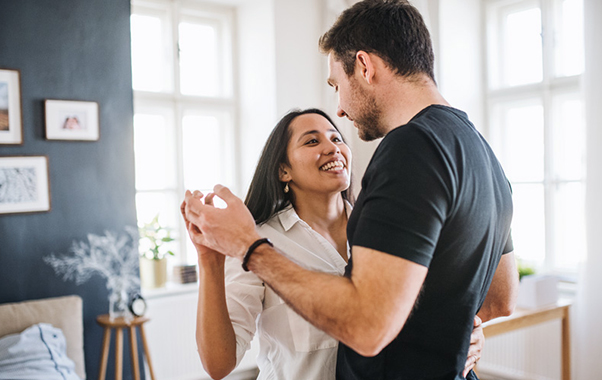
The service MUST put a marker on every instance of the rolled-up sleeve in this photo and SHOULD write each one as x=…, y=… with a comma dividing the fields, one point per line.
x=244, y=297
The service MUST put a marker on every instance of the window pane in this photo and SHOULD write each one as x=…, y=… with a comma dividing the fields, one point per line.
x=153, y=152
x=522, y=48
x=569, y=138
x=202, y=152
x=569, y=37
x=164, y=204
x=199, y=60
x=569, y=228
x=522, y=141
x=528, y=224
x=150, y=68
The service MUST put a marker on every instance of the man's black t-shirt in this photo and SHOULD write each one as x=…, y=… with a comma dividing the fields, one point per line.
x=435, y=194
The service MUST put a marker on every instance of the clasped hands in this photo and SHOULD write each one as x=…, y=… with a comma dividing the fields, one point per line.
x=229, y=231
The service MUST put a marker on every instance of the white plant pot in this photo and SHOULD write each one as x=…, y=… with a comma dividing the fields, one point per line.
x=537, y=291
x=153, y=273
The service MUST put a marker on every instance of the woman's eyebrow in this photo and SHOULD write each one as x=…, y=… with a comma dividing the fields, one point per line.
x=315, y=131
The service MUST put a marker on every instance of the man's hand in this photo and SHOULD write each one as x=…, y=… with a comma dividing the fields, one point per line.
x=230, y=230
x=477, y=341
x=204, y=253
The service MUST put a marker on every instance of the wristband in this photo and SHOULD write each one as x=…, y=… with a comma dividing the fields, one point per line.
x=247, y=256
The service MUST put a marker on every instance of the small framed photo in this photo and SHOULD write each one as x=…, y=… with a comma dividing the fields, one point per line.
x=11, y=130
x=71, y=120
x=24, y=185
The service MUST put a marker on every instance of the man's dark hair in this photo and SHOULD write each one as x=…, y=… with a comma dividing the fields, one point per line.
x=266, y=195
x=392, y=29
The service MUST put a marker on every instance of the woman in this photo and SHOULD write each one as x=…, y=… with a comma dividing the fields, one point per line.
x=300, y=198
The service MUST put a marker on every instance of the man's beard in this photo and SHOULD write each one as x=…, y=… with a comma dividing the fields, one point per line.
x=368, y=124
x=367, y=120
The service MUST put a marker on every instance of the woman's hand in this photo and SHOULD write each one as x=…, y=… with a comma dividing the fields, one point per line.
x=203, y=252
x=477, y=341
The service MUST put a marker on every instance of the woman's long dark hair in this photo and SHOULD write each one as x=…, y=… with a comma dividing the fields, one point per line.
x=266, y=195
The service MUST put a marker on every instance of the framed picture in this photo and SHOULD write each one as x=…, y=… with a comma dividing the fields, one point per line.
x=71, y=120
x=24, y=185
x=10, y=107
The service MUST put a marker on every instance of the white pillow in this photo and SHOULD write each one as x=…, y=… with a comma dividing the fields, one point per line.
x=37, y=353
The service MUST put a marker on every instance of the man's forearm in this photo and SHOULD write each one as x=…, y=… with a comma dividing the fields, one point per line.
x=325, y=300
x=365, y=312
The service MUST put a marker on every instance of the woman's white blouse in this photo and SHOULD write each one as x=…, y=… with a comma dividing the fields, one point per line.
x=289, y=347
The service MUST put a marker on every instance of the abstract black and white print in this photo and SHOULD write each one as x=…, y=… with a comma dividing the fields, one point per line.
x=18, y=185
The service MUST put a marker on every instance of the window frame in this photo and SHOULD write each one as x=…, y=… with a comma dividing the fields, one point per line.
x=551, y=88
x=225, y=103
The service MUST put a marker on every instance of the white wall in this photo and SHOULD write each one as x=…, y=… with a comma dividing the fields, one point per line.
x=299, y=64
x=257, y=92
x=460, y=63
x=589, y=306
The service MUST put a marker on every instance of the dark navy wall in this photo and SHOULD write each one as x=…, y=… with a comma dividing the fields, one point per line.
x=76, y=50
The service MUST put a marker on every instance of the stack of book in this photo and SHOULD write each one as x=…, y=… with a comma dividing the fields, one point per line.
x=184, y=274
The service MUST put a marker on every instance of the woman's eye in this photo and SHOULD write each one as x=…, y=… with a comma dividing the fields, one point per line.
x=312, y=141
x=337, y=139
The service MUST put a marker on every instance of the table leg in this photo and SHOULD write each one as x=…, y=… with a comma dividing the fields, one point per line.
x=118, y=353
x=566, y=346
x=104, y=355
x=134, y=351
x=147, y=353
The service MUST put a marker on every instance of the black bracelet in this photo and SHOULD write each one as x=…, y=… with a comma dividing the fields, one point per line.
x=247, y=256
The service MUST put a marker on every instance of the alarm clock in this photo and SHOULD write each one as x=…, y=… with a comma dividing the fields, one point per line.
x=138, y=305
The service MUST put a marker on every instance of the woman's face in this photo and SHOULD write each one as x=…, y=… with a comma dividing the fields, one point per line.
x=319, y=160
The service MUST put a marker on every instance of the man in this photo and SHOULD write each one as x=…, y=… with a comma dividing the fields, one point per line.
x=429, y=228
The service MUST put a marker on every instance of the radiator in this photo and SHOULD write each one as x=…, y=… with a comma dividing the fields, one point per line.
x=532, y=353
x=170, y=333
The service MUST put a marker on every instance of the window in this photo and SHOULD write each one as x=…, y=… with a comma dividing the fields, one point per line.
x=184, y=107
x=536, y=124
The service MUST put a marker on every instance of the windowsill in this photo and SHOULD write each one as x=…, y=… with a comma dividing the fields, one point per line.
x=170, y=289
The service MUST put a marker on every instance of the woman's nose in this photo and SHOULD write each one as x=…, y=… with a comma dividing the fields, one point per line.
x=331, y=148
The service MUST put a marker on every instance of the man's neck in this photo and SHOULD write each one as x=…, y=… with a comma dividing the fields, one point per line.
x=404, y=99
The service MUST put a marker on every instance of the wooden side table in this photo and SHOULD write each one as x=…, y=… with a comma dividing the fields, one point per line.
x=522, y=318
x=118, y=324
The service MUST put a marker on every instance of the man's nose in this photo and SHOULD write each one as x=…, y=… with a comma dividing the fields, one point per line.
x=340, y=112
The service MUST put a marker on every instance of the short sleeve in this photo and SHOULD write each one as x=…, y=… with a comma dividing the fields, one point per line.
x=244, y=298
x=509, y=247
x=407, y=193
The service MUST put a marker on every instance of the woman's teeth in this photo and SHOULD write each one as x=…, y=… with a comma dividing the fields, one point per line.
x=335, y=165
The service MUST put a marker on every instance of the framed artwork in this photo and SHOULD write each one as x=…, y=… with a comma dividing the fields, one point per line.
x=24, y=185
x=71, y=120
x=11, y=130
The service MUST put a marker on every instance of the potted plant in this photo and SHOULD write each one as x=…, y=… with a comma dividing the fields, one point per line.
x=153, y=253
x=524, y=269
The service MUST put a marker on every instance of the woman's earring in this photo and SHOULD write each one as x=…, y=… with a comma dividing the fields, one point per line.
x=286, y=188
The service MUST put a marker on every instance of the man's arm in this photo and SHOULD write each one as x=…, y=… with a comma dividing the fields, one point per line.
x=365, y=312
x=501, y=297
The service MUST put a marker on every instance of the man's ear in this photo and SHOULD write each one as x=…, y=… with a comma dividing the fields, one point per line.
x=364, y=66
x=284, y=174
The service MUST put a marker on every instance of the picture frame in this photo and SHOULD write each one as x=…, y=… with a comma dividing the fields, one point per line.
x=72, y=120
x=24, y=184
x=11, y=124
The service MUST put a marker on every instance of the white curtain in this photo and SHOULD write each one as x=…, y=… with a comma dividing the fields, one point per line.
x=588, y=308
